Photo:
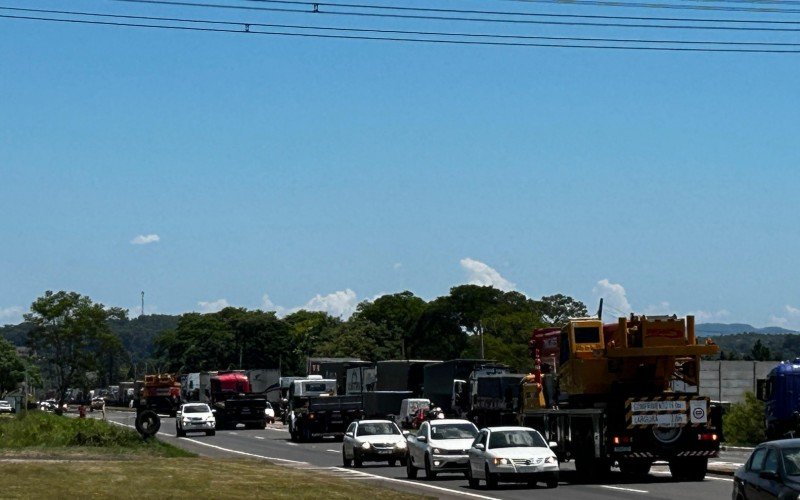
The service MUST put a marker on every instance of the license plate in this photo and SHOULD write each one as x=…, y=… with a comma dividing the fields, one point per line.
x=527, y=468
x=384, y=452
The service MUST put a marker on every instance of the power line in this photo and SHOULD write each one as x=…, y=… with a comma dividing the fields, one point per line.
x=483, y=20
x=648, y=5
x=314, y=7
x=248, y=25
x=399, y=39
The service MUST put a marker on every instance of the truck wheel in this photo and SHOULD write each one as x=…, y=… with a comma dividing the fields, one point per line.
x=491, y=479
x=429, y=474
x=591, y=469
x=411, y=471
x=148, y=423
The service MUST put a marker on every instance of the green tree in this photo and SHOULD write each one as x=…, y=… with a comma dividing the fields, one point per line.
x=12, y=368
x=71, y=335
x=557, y=309
x=362, y=339
x=760, y=352
x=744, y=422
x=308, y=329
x=398, y=312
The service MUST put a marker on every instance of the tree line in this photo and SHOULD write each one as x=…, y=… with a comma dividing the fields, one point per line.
x=71, y=336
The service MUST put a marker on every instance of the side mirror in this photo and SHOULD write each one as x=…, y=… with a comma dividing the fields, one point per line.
x=178, y=413
x=768, y=474
x=348, y=434
x=406, y=433
x=421, y=439
x=479, y=446
x=552, y=444
x=214, y=412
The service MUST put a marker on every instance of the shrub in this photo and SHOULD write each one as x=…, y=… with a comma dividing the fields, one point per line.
x=743, y=423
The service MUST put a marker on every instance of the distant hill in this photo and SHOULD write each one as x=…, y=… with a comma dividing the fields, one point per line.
x=137, y=334
x=714, y=329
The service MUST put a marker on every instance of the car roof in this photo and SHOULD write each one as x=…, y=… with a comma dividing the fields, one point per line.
x=440, y=421
x=194, y=404
x=508, y=428
x=375, y=421
x=782, y=443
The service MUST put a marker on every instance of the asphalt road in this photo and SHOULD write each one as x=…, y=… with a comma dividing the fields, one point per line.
x=325, y=456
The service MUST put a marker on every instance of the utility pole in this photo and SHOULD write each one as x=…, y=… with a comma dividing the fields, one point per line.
x=142, y=304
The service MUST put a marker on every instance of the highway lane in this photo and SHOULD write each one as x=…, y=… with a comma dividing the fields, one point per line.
x=273, y=444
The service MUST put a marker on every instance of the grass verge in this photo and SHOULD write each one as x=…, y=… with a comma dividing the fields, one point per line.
x=168, y=478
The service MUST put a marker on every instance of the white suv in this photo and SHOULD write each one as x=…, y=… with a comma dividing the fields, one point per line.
x=195, y=417
x=440, y=446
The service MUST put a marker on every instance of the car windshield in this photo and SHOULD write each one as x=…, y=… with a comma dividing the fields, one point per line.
x=196, y=409
x=377, y=428
x=453, y=431
x=791, y=461
x=515, y=439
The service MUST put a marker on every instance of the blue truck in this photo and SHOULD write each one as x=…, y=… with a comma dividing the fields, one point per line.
x=781, y=396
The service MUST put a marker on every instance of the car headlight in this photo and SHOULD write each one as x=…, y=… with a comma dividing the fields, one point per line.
x=401, y=445
x=549, y=460
x=436, y=451
x=366, y=445
x=501, y=461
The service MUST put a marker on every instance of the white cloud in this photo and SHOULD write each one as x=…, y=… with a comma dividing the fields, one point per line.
x=614, y=297
x=793, y=311
x=11, y=315
x=143, y=239
x=484, y=275
x=211, y=307
x=342, y=303
x=778, y=321
x=398, y=265
x=268, y=305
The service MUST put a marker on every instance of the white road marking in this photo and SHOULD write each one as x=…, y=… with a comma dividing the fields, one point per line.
x=260, y=437
x=333, y=451
x=351, y=472
x=620, y=488
x=233, y=433
x=290, y=443
x=415, y=483
x=713, y=478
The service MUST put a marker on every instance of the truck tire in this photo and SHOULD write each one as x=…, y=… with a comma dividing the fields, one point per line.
x=591, y=469
x=411, y=471
x=429, y=474
x=148, y=423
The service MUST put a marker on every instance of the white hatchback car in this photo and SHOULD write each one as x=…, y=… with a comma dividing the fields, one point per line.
x=440, y=446
x=195, y=417
x=374, y=441
x=511, y=454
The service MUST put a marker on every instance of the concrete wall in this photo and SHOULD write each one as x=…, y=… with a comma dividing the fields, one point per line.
x=729, y=380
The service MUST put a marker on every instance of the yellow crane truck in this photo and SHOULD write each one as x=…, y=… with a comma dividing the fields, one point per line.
x=624, y=393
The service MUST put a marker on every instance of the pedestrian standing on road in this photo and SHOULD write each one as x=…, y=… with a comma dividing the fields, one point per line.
x=103, y=409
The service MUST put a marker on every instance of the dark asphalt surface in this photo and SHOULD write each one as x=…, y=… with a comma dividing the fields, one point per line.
x=273, y=445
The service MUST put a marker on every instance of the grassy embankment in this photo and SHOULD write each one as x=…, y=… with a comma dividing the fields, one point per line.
x=47, y=456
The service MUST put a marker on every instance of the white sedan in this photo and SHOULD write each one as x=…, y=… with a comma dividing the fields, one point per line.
x=440, y=446
x=374, y=441
x=195, y=417
x=511, y=454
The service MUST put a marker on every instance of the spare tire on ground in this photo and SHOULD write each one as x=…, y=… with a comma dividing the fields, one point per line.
x=148, y=423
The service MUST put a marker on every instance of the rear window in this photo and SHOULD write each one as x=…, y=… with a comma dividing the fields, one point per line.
x=587, y=335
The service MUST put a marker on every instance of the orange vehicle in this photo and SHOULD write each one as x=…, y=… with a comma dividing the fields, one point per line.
x=160, y=393
x=624, y=393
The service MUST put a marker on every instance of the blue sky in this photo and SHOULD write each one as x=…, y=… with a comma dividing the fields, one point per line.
x=284, y=172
